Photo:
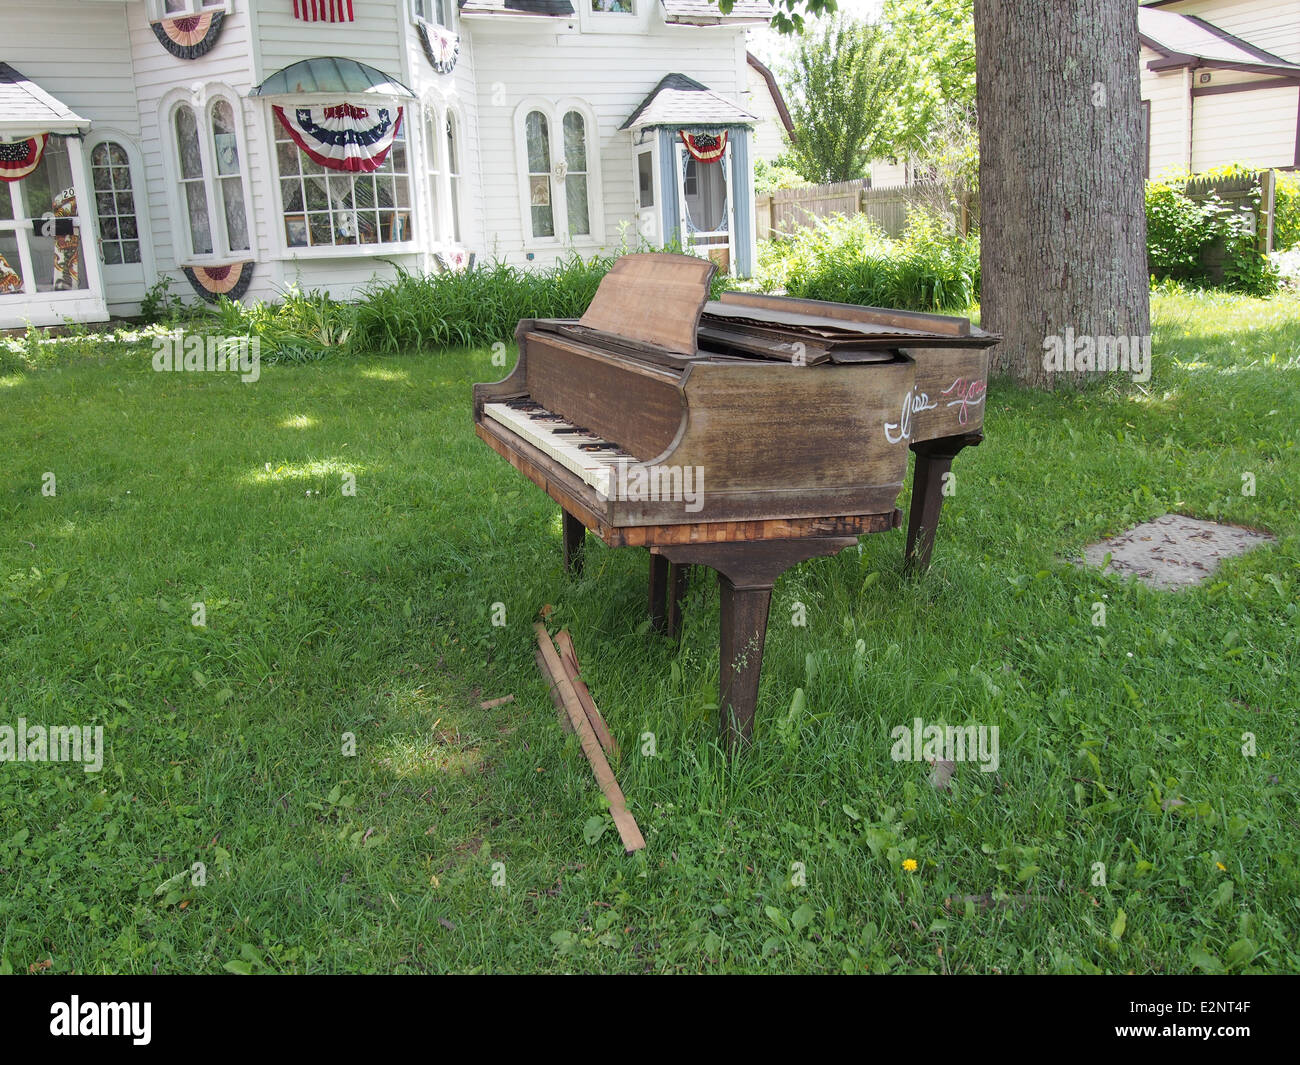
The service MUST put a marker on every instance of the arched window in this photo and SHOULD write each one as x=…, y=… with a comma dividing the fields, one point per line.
x=432, y=132
x=210, y=174
x=537, y=132
x=557, y=148
x=453, y=172
x=575, y=178
x=110, y=173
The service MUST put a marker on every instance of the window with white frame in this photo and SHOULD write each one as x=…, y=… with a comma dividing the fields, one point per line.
x=110, y=178
x=453, y=171
x=210, y=177
x=326, y=208
x=559, y=160
x=179, y=8
x=433, y=153
x=613, y=7
x=436, y=11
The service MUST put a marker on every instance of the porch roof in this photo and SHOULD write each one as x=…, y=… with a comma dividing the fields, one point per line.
x=330, y=75
x=1185, y=40
x=681, y=101
x=706, y=12
x=26, y=108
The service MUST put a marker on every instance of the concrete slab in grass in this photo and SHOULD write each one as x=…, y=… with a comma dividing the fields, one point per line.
x=1174, y=551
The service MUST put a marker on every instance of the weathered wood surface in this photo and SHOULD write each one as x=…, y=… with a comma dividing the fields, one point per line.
x=623, y=821
x=653, y=297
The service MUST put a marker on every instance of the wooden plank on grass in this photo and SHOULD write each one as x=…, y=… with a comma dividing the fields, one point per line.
x=623, y=821
x=569, y=659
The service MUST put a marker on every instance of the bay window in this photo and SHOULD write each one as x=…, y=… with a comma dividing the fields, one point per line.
x=326, y=206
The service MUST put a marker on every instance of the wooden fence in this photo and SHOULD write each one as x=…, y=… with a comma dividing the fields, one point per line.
x=786, y=210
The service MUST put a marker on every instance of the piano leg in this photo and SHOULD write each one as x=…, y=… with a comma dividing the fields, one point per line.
x=575, y=536
x=746, y=572
x=676, y=593
x=744, y=632
x=933, y=460
x=658, y=592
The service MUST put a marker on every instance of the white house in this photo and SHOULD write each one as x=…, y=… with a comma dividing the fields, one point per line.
x=1221, y=83
x=242, y=146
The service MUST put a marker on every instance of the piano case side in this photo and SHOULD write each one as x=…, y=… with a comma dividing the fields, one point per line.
x=777, y=441
x=514, y=384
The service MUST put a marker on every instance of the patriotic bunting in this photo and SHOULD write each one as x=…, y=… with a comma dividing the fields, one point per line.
x=231, y=281
x=706, y=147
x=20, y=158
x=323, y=10
x=189, y=36
x=440, y=46
x=342, y=136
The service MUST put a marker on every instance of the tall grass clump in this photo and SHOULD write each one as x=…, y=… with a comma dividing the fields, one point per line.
x=851, y=260
x=477, y=306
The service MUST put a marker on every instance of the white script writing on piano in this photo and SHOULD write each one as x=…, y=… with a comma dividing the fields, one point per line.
x=636, y=483
x=913, y=403
x=966, y=392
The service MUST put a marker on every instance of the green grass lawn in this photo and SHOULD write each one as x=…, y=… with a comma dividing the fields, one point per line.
x=458, y=838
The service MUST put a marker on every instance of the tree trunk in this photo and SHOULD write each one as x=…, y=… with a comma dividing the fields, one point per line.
x=1063, y=218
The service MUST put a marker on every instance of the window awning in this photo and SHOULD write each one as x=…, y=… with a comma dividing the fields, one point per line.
x=681, y=101
x=26, y=109
x=332, y=76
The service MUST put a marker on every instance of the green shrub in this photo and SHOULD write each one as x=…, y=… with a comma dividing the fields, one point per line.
x=850, y=260
x=1181, y=229
x=1286, y=211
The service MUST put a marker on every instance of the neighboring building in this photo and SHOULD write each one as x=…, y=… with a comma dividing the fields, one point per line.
x=774, y=129
x=225, y=143
x=1221, y=83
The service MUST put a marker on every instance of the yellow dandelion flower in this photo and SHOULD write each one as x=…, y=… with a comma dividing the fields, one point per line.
x=1222, y=866
x=909, y=864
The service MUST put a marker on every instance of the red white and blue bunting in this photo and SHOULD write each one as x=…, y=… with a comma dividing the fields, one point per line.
x=323, y=10
x=189, y=36
x=440, y=46
x=20, y=158
x=210, y=282
x=342, y=136
x=706, y=147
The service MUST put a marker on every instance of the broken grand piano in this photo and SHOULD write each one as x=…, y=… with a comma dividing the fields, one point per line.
x=746, y=435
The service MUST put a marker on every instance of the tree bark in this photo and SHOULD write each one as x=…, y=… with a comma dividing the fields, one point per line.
x=1063, y=218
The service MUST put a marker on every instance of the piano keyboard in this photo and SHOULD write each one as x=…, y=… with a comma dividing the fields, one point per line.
x=574, y=447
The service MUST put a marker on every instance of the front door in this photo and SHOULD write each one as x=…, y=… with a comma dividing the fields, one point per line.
x=704, y=205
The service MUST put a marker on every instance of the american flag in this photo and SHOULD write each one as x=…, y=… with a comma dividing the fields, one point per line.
x=323, y=10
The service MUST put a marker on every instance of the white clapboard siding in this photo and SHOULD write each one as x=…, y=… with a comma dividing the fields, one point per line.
x=611, y=75
x=769, y=134
x=78, y=52
x=1273, y=25
x=1256, y=128
x=1167, y=93
x=157, y=73
x=375, y=38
